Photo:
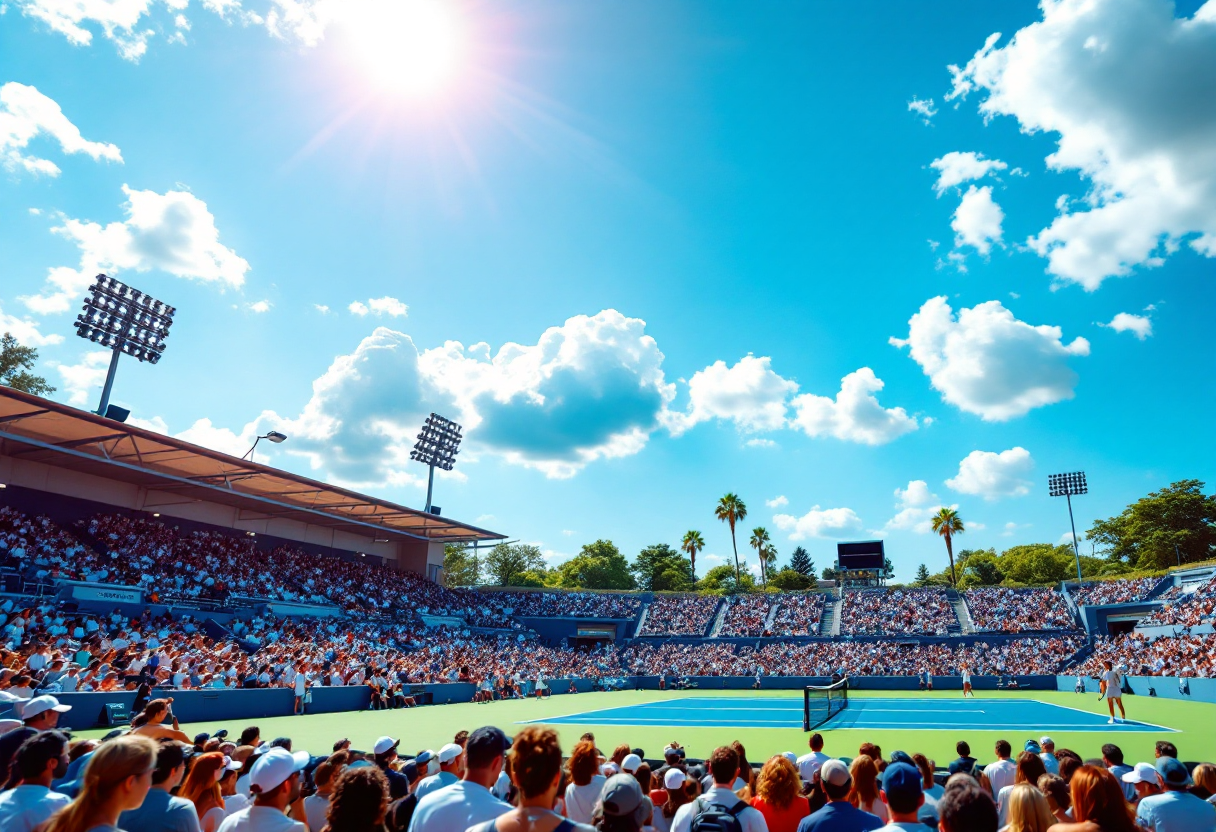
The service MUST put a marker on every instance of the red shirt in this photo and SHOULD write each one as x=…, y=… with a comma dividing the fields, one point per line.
x=783, y=820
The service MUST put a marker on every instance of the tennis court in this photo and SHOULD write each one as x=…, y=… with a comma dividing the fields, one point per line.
x=877, y=713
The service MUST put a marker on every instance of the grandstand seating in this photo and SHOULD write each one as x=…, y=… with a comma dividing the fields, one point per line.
x=1093, y=593
x=1009, y=610
x=1193, y=656
x=1185, y=609
x=680, y=615
x=897, y=612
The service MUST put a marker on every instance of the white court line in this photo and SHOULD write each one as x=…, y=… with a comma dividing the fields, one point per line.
x=1098, y=714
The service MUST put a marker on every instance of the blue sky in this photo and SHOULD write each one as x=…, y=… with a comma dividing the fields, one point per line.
x=636, y=248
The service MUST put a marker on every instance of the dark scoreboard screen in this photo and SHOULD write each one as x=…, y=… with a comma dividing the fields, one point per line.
x=866, y=554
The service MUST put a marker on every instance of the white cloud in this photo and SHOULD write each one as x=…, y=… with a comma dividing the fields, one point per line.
x=119, y=20
x=1125, y=86
x=208, y=435
x=379, y=307
x=977, y=220
x=914, y=506
x=80, y=380
x=260, y=306
x=568, y=532
x=957, y=167
x=750, y=394
x=923, y=107
x=777, y=502
x=322, y=308
x=855, y=415
x=992, y=475
x=989, y=363
x=756, y=442
x=173, y=232
x=828, y=522
x=1139, y=325
x=25, y=114
x=25, y=330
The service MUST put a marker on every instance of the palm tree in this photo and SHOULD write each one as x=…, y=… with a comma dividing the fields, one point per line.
x=947, y=523
x=760, y=540
x=731, y=510
x=693, y=543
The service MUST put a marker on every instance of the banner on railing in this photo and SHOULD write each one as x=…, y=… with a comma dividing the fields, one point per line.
x=295, y=608
x=109, y=593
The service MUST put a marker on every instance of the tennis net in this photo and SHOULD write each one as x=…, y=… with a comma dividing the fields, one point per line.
x=822, y=702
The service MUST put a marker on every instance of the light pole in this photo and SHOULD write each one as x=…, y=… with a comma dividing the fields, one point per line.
x=437, y=446
x=1068, y=486
x=125, y=320
x=273, y=435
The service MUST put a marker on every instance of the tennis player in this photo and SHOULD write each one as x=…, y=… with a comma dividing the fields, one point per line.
x=1111, y=682
x=967, y=682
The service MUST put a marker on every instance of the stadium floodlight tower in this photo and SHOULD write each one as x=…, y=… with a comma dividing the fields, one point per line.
x=127, y=321
x=437, y=446
x=1069, y=486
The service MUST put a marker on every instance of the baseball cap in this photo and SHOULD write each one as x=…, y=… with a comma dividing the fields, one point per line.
x=40, y=704
x=487, y=738
x=1173, y=773
x=791, y=756
x=674, y=778
x=631, y=763
x=1143, y=773
x=384, y=745
x=671, y=753
x=835, y=772
x=609, y=769
x=1031, y=745
x=903, y=780
x=201, y=738
x=231, y=764
x=424, y=757
x=902, y=757
x=622, y=797
x=449, y=752
x=410, y=769
x=1046, y=741
x=274, y=767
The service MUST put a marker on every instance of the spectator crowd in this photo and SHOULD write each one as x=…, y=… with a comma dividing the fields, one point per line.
x=1008, y=610
x=1094, y=593
x=896, y=612
x=680, y=615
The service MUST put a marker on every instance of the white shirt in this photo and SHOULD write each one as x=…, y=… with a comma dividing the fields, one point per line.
x=315, y=808
x=749, y=819
x=1114, y=684
x=458, y=806
x=25, y=807
x=580, y=800
x=808, y=764
x=1001, y=774
x=261, y=819
x=434, y=783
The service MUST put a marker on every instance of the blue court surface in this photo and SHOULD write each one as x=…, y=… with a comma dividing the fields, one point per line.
x=896, y=714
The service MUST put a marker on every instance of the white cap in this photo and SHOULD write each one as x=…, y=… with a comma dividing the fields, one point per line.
x=1143, y=773
x=384, y=744
x=449, y=752
x=791, y=756
x=674, y=778
x=1046, y=741
x=609, y=769
x=40, y=704
x=5, y=696
x=835, y=772
x=231, y=764
x=274, y=767
x=631, y=763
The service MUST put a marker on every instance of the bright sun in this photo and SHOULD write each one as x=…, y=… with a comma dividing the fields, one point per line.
x=408, y=46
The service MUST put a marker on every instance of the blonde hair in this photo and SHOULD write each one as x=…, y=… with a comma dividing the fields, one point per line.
x=778, y=783
x=1205, y=776
x=113, y=762
x=1028, y=810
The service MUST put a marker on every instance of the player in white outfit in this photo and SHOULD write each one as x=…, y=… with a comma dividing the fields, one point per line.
x=1112, y=692
x=967, y=682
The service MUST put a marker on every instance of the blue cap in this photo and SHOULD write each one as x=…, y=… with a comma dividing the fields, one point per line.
x=902, y=757
x=1173, y=773
x=1031, y=745
x=903, y=780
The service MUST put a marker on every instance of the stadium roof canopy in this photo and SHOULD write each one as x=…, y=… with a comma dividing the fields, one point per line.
x=33, y=428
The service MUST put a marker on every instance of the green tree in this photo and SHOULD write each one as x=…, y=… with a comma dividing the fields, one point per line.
x=830, y=573
x=800, y=562
x=789, y=580
x=721, y=579
x=507, y=562
x=15, y=359
x=758, y=542
x=980, y=567
x=600, y=565
x=660, y=568
x=922, y=575
x=731, y=510
x=768, y=558
x=947, y=523
x=1145, y=534
x=461, y=566
x=692, y=543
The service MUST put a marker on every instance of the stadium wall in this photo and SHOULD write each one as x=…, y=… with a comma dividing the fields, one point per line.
x=1165, y=687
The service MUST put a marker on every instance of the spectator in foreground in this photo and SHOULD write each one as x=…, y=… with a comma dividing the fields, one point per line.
x=202, y=788
x=864, y=794
x=316, y=805
x=778, y=795
x=41, y=713
x=903, y=795
x=116, y=779
x=469, y=801
x=1029, y=769
x=160, y=810
x=1059, y=801
x=1175, y=810
x=274, y=782
x=1026, y=810
x=1098, y=804
x=359, y=801
x=586, y=782
x=40, y=759
x=536, y=770
x=720, y=798
x=965, y=762
x=808, y=764
x=677, y=795
x=839, y=815
x=966, y=806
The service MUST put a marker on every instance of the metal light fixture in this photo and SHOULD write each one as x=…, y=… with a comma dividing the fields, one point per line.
x=437, y=446
x=1069, y=486
x=125, y=320
x=272, y=435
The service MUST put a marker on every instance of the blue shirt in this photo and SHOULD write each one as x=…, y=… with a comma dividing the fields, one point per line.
x=840, y=816
x=160, y=812
x=1176, y=812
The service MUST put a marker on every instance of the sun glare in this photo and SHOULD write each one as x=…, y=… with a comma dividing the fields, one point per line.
x=407, y=46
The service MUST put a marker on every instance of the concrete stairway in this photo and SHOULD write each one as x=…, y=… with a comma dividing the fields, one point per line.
x=642, y=620
x=965, y=624
x=829, y=624
x=772, y=614
x=719, y=619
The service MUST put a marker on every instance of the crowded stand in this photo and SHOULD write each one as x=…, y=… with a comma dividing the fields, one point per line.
x=874, y=612
x=798, y=615
x=746, y=615
x=1193, y=656
x=680, y=615
x=1008, y=610
x=1185, y=610
x=1095, y=593
x=568, y=604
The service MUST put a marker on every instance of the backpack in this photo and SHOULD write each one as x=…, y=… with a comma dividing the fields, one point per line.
x=715, y=817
